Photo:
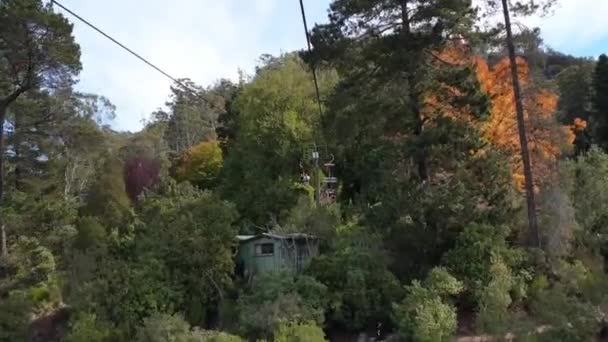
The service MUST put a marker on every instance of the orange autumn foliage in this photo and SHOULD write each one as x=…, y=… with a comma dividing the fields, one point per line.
x=579, y=125
x=434, y=101
x=546, y=138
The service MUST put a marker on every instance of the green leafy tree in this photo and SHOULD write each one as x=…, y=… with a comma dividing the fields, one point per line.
x=572, y=311
x=28, y=285
x=176, y=222
x=128, y=292
x=307, y=217
x=14, y=317
x=385, y=54
x=83, y=154
x=584, y=182
x=276, y=299
x=52, y=165
x=32, y=265
x=420, y=224
x=277, y=122
x=472, y=260
x=405, y=119
x=55, y=138
x=87, y=327
x=193, y=115
x=361, y=288
x=228, y=120
x=91, y=234
x=201, y=165
x=107, y=199
x=41, y=53
x=149, y=268
x=574, y=86
x=47, y=219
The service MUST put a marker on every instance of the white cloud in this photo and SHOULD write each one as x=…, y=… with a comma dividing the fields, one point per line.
x=575, y=25
x=208, y=39
x=572, y=26
x=200, y=39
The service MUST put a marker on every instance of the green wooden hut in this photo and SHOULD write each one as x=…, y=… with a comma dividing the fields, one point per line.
x=270, y=252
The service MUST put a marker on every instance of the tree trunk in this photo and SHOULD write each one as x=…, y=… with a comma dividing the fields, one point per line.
x=4, y=103
x=3, y=243
x=521, y=127
x=3, y=108
x=414, y=97
x=17, y=135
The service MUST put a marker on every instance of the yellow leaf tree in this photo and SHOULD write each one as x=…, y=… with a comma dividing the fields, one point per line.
x=200, y=165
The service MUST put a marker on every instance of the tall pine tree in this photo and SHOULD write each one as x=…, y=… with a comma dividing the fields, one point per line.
x=38, y=50
x=599, y=118
x=400, y=121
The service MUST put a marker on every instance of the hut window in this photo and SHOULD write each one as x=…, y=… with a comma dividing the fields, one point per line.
x=264, y=249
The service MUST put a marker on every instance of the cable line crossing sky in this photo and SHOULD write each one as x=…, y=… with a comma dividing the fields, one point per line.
x=206, y=40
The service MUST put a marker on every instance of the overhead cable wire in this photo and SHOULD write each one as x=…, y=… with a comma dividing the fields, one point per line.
x=314, y=72
x=138, y=56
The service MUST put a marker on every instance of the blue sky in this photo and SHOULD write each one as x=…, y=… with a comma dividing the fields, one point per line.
x=209, y=39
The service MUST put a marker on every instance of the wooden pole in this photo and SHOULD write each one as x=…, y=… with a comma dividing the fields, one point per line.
x=521, y=127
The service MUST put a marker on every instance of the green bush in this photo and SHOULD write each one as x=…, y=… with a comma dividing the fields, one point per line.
x=262, y=319
x=164, y=328
x=303, y=332
x=494, y=300
x=426, y=313
x=213, y=336
x=14, y=317
x=87, y=328
x=361, y=288
x=585, y=180
x=570, y=319
x=571, y=305
x=275, y=299
x=173, y=328
x=90, y=234
x=471, y=258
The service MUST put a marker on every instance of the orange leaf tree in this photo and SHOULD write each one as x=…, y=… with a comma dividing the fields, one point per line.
x=546, y=138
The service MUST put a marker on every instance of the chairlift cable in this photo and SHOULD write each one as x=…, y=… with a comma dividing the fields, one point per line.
x=314, y=72
x=124, y=47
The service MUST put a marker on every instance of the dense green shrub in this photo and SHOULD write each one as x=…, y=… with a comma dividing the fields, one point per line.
x=426, y=315
x=214, y=336
x=360, y=286
x=173, y=328
x=571, y=306
x=14, y=317
x=279, y=298
x=302, y=332
x=471, y=260
x=493, y=315
x=164, y=328
x=87, y=328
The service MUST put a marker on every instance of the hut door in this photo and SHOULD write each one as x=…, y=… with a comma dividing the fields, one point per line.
x=301, y=255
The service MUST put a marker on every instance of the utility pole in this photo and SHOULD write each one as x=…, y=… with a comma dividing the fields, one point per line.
x=521, y=127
